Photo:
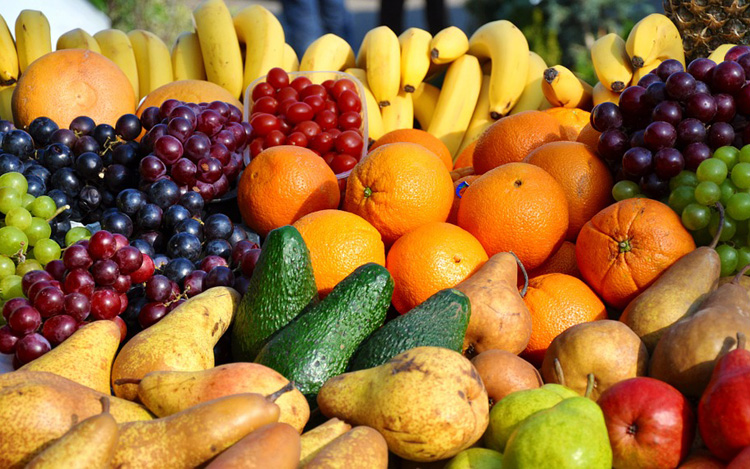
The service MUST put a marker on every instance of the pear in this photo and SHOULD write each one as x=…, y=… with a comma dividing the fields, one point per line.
x=314, y=440
x=606, y=348
x=194, y=436
x=90, y=443
x=572, y=434
x=183, y=340
x=476, y=458
x=37, y=407
x=676, y=294
x=360, y=448
x=85, y=357
x=275, y=445
x=168, y=392
x=428, y=402
x=503, y=373
x=731, y=295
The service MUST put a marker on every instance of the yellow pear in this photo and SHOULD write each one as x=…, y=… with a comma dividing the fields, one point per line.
x=316, y=439
x=85, y=357
x=359, y=448
x=275, y=445
x=428, y=402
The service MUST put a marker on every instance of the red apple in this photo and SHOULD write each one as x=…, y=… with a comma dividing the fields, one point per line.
x=650, y=423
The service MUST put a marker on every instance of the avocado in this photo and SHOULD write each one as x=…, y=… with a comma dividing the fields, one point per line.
x=320, y=342
x=440, y=321
x=281, y=286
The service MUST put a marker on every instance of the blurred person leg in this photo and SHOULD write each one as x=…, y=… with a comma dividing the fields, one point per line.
x=437, y=16
x=302, y=23
x=392, y=15
x=336, y=18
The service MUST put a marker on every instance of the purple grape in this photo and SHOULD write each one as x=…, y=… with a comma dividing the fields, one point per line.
x=31, y=347
x=219, y=276
x=690, y=131
x=168, y=149
x=150, y=117
x=680, y=85
x=701, y=106
x=701, y=69
x=633, y=101
x=728, y=77
x=736, y=52
x=185, y=112
x=197, y=146
x=656, y=93
x=637, y=161
x=606, y=116
x=695, y=154
x=742, y=99
x=702, y=87
x=636, y=140
x=744, y=62
x=725, y=107
x=660, y=135
x=180, y=128
x=654, y=186
x=720, y=134
x=612, y=144
x=668, y=68
x=152, y=168
x=668, y=162
x=667, y=111
x=649, y=79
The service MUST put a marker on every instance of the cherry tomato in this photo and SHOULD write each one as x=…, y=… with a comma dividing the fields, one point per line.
x=322, y=143
x=331, y=106
x=262, y=89
x=264, y=123
x=313, y=90
x=285, y=128
x=316, y=103
x=343, y=163
x=328, y=158
x=349, y=142
x=344, y=84
x=342, y=186
x=326, y=119
x=267, y=104
x=350, y=120
x=297, y=139
x=300, y=83
x=334, y=133
x=256, y=146
x=286, y=93
x=277, y=78
x=348, y=101
x=274, y=138
x=299, y=112
x=284, y=106
x=309, y=128
x=328, y=85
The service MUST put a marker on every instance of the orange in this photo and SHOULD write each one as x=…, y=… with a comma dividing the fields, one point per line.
x=431, y=258
x=589, y=136
x=339, y=242
x=282, y=184
x=399, y=187
x=585, y=179
x=628, y=245
x=573, y=120
x=557, y=302
x=419, y=137
x=65, y=84
x=516, y=207
x=189, y=91
x=456, y=199
x=513, y=137
x=466, y=157
x=561, y=262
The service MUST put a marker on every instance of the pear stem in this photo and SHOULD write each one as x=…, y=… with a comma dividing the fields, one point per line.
x=715, y=241
x=736, y=279
x=122, y=381
x=589, y=385
x=105, y=404
x=289, y=386
x=559, y=372
x=740, y=341
x=523, y=271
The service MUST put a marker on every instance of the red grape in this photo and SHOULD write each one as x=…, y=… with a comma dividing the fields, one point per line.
x=720, y=134
x=122, y=284
x=76, y=257
x=219, y=277
x=725, y=107
x=79, y=281
x=226, y=137
x=690, y=131
x=158, y=288
x=56, y=269
x=184, y=171
x=145, y=271
x=209, y=170
x=24, y=320
x=105, y=303
x=31, y=347
x=168, y=149
x=36, y=288
x=633, y=101
x=209, y=262
x=15, y=303
x=701, y=106
x=30, y=278
x=194, y=283
x=105, y=272
x=197, y=146
x=152, y=168
x=49, y=301
x=77, y=305
x=209, y=122
x=102, y=245
x=128, y=259
x=151, y=313
x=8, y=340
x=249, y=260
x=174, y=305
x=239, y=250
x=221, y=107
x=184, y=112
x=736, y=52
x=649, y=79
x=168, y=105
x=123, y=328
x=59, y=328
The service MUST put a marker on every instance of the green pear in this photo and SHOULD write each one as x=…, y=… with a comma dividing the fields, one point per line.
x=570, y=435
x=507, y=414
x=476, y=458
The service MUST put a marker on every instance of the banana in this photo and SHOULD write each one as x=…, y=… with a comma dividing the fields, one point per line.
x=532, y=96
x=718, y=54
x=425, y=98
x=187, y=58
x=611, y=62
x=481, y=119
x=380, y=55
x=602, y=94
x=503, y=43
x=374, y=118
x=6, y=93
x=78, y=39
x=153, y=59
x=563, y=89
x=448, y=45
x=415, y=57
x=327, y=53
x=8, y=56
x=291, y=62
x=457, y=101
x=219, y=45
x=655, y=36
x=264, y=40
x=115, y=45
x=400, y=114
x=646, y=69
x=32, y=37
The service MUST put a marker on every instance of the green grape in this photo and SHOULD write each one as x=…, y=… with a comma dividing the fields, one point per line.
x=744, y=154
x=680, y=198
x=707, y=193
x=702, y=237
x=728, y=189
x=743, y=257
x=7, y=266
x=76, y=234
x=27, y=266
x=729, y=259
x=729, y=229
x=738, y=206
x=685, y=178
x=729, y=155
x=15, y=180
x=47, y=250
x=18, y=217
x=12, y=240
x=741, y=175
x=713, y=170
x=10, y=287
x=696, y=216
x=40, y=229
x=9, y=199
x=26, y=200
x=625, y=190
x=43, y=207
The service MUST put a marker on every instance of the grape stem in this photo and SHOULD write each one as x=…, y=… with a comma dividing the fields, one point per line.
x=58, y=212
x=715, y=241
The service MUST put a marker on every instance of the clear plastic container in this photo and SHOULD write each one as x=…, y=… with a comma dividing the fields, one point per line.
x=315, y=78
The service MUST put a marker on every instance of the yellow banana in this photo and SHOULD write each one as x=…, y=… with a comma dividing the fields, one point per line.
x=400, y=114
x=8, y=56
x=415, y=57
x=602, y=94
x=653, y=37
x=219, y=45
x=646, y=69
x=291, y=62
x=448, y=45
x=153, y=59
x=425, y=99
x=563, y=89
x=187, y=58
x=6, y=93
x=481, y=119
x=327, y=53
x=115, y=45
x=380, y=54
x=532, y=96
x=374, y=118
x=32, y=37
x=718, y=54
x=264, y=40
x=611, y=62
x=503, y=43
x=458, y=99
x=78, y=39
